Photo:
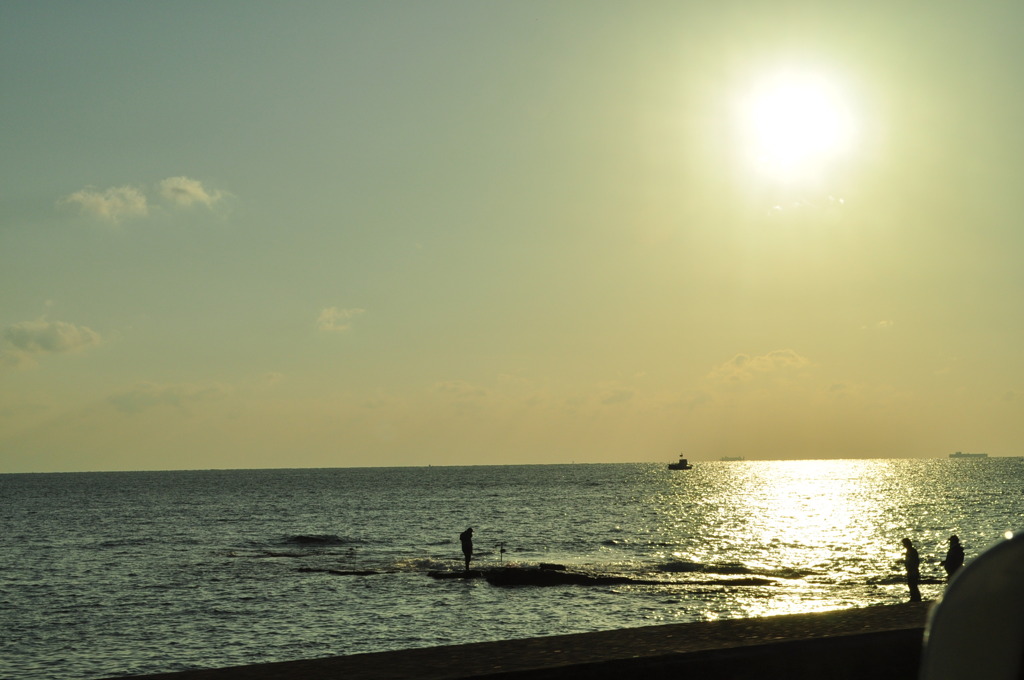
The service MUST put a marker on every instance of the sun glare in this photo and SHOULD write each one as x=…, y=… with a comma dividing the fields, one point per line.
x=795, y=125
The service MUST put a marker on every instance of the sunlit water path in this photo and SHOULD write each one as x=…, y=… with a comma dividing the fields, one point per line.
x=105, y=574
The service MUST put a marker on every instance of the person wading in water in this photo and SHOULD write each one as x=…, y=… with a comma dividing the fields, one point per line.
x=954, y=557
x=912, y=561
x=467, y=545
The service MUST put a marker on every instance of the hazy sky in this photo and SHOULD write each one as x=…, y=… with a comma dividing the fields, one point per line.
x=284, y=234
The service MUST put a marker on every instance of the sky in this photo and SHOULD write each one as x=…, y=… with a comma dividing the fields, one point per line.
x=332, y=234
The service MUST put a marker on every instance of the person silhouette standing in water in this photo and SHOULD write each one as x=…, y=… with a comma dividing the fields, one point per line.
x=467, y=545
x=954, y=557
x=912, y=561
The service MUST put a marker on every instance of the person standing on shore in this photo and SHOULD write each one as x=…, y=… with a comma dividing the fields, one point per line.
x=467, y=545
x=954, y=557
x=912, y=561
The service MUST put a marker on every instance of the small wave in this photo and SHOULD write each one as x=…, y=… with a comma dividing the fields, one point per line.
x=422, y=564
x=789, y=573
x=124, y=542
x=317, y=539
x=885, y=580
x=297, y=545
x=339, y=572
x=730, y=569
x=681, y=566
x=259, y=554
x=900, y=579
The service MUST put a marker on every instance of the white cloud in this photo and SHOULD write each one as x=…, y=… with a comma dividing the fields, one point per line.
x=19, y=342
x=185, y=192
x=336, y=320
x=119, y=203
x=112, y=205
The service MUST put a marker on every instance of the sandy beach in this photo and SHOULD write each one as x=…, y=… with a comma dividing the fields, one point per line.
x=878, y=642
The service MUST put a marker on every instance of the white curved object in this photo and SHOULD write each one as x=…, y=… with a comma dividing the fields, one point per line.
x=976, y=630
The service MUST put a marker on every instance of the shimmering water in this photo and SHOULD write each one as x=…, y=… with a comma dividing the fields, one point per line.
x=111, y=574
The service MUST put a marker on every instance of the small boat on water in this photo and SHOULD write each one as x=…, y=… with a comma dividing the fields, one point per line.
x=731, y=459
x=961, y=454
x=683, y=464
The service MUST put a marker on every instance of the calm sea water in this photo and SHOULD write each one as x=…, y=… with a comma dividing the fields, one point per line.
x=112, y=574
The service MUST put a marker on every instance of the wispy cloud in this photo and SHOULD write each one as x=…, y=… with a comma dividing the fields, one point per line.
x=110, y=205
x=462, y=398
x=744, y=367
x=459, y=389
x=145, y=396
x=617, y=396
x=185, y=192
x=117, y=204
x=337, y=320
x=22, y=341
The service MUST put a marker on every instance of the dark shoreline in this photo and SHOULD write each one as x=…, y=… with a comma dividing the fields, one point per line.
x=879, y=642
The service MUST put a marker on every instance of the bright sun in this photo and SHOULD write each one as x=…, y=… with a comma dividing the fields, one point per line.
x=794, y=125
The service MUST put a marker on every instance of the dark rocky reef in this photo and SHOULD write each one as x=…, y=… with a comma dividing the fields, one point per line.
x=559, y=575
x=516, y=576
x=546, y=574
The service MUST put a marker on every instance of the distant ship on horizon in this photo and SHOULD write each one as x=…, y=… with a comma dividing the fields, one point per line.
x=729, y=459
x=961, y=454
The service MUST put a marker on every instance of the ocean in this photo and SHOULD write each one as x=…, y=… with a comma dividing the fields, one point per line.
x=126, y=573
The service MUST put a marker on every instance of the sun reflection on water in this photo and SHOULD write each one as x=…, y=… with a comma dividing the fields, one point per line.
x=813, y=526
x=799, y=504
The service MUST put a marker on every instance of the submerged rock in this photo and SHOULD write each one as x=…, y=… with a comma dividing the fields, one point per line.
x=472, y=573
x=513, y=576
x=558, y=575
